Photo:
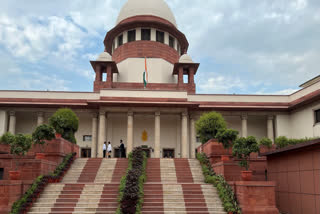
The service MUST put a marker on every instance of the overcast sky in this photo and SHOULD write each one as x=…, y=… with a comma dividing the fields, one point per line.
x=243, y=46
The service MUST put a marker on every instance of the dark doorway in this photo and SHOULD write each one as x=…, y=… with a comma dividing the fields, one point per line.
x=168, y=153
x=85, y=153
x=116, y=153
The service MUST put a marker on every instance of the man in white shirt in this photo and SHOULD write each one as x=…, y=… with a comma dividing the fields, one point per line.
x=109, y=149
x=104, y=149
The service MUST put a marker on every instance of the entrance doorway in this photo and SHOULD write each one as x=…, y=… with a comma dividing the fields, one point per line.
x=85, y=153
x=168, y=153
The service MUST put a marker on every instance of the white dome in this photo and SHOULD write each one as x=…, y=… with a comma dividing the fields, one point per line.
x=185, y=58
x=104, y=57
x=157, y=8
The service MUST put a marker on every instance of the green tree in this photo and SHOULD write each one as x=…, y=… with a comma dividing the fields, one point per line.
x=227, y=137
x=208, y=126
x=7, y=138
x=66, y=123
x=20, y=146
x=243, y=147
x=41, y=134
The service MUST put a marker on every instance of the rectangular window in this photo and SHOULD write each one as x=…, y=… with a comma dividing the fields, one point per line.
x=87, y=138
x=1, y=173
x=131, y=35
x=171, y=41
x=120, y=40
x=160, y=36
x=146, y=34
x=198, y=139
x=317, y=115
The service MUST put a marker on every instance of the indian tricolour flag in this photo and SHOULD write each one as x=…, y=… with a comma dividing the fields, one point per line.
x=145, y=73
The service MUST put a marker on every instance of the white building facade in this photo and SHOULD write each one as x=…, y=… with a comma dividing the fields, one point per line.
x=161, y=116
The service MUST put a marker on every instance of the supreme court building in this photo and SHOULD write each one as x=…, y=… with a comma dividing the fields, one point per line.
x=161, y=116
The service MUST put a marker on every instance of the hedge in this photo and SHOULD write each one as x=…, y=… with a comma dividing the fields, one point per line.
x=131, y=192
x=225, y=192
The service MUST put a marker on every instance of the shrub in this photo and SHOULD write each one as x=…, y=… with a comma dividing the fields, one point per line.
x=227, y=137
x=265, y=142
x=282, y=142
x=41, y=134
x=243, y=147
x=7, y=138
x=66, y=123
x=225, y=192
x=208, y=126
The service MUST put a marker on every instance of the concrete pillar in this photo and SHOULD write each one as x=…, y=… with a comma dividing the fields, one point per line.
x=184, y=135
x=138, y=34
x=94, y=135
x=12, y=122
x=157, y=146
x=102, y=133
x=244, y=119
x=191, y=76
x=40, y=119
x=3, y=122
x=193, y=137
x=109, y=76
x=125, y=37
x=270, y=130
x=166, y=38
x=130, y=132
x=153, y=34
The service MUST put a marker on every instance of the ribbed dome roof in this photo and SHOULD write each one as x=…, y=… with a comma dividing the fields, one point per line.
x=185, y=58
x=104, y=57
x=157, y=8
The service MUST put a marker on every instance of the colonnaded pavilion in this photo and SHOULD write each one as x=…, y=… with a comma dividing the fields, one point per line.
x=161, y=115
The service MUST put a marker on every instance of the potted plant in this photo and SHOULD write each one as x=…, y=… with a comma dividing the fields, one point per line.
x=226, y=137
x=265, y=145
x=19, y=147
x=242, y=148
x=40, y=135
x=66, y=123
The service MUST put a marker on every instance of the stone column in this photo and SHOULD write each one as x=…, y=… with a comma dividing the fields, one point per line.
x=244, y=119
x=109, y=76
x=98, y=73
x=94, y=135
x=193, y=137
x=40, y=119
x=191, y=76
x=184, y=135
x=130, y=132
x=12, y=122
x=102, y=133
x=180, y=77
x=157, y=146
x=270, y=129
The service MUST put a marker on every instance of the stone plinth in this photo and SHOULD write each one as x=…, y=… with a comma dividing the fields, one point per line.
x=10, y=191
x=214, y=150
x=256, y=197
x=30, y=168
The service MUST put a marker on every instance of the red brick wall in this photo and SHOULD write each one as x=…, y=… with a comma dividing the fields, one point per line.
x=297, y=174
x=141, y=49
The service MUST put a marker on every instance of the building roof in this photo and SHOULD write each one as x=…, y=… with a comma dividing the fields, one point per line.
x=294, y=147
x=310, y=82
x=157, y=8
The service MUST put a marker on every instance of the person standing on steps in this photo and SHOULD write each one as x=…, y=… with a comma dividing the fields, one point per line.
x=122, y=150
x=109, y=149
x=104, y=149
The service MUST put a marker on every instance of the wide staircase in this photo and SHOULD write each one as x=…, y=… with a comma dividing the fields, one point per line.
x=90, y=186
x=173, y=186
x=177, y=186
